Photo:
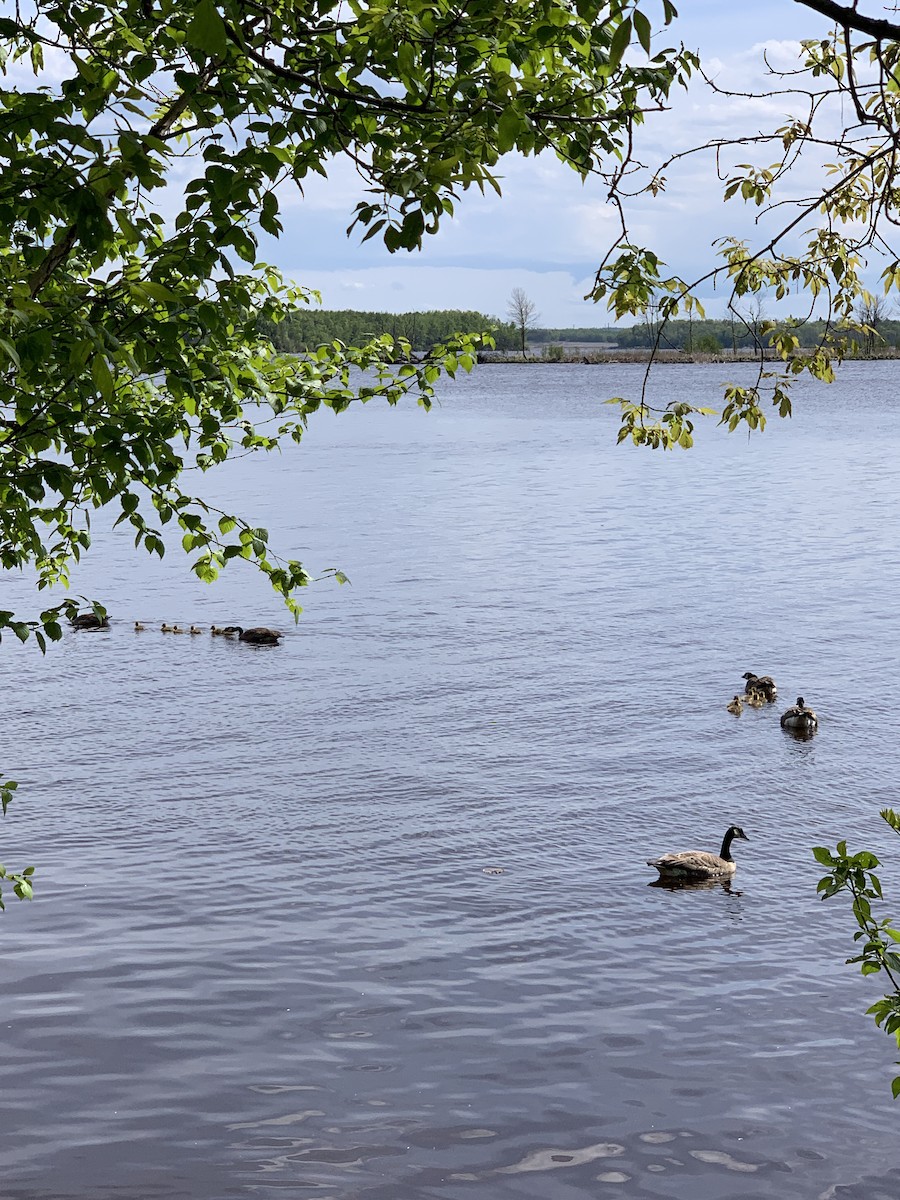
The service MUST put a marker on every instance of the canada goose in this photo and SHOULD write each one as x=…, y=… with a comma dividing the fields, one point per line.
x=259, y=635
x=138, y=627
x=194, y=629
x=755, y=699
x=698, y=864
x=761, y=683
x=799, y=717
x=736, y=706
x=230, y=631
x=89, y=621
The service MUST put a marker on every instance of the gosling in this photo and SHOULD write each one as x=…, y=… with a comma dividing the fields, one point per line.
x=194, y=629
x=736, y=706
x=138, y=627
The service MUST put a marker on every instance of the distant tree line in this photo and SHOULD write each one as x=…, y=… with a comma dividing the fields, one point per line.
x=711, y=336
x=305, y=330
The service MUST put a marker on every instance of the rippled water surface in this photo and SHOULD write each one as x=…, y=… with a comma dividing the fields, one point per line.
x=368, y=915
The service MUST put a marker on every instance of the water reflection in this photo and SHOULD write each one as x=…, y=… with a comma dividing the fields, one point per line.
x=697, y=885
x=799, y=735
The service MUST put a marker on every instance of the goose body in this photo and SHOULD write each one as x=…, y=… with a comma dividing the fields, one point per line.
x=89, y=621
x=799, y=717
x=736, y=706
x=700, y=864
x=763, y=684
x=258, y=636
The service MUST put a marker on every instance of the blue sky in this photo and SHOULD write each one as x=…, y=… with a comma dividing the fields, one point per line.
x=548, y=230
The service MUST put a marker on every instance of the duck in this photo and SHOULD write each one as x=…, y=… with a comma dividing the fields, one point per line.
x=755, y=699
x=799, y=717
x=761, y=683
x=259, y=635
x=699, y=864
x=194, y=629
x=89, y=621
x=138, y=627
x=736, y=706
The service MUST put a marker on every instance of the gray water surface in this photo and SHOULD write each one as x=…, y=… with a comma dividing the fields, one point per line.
x=269, y=955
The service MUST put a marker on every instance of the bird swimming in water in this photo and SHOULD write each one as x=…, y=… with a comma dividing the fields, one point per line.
x=699, y=864
x=764, y=684
x=89, y=621
x=258, y=636
x=799, y=717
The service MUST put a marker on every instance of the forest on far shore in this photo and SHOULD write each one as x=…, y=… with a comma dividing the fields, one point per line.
x=305, y=330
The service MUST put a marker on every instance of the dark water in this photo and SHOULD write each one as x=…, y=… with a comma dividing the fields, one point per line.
x=267, y=956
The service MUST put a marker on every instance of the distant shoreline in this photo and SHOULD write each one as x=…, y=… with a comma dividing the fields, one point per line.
x=615, y=357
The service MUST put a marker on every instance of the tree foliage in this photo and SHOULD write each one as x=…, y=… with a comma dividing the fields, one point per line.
x=854, y=874
x=309, y=328
x=845, y=97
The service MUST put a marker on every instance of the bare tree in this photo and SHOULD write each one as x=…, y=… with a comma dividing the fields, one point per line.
x=522, y=312
x=871, y=312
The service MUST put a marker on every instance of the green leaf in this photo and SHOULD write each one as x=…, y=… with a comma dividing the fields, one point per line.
x=102, y=376
x=206, y=30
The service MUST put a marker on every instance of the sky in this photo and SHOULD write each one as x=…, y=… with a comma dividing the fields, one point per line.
x=548, y=231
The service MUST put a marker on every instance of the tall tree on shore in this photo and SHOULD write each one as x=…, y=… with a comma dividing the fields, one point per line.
x=523, y=313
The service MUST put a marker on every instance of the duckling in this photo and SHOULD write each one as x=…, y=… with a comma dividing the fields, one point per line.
x=755, y=699
x=799, y=717
x=194, y=629
x=259, y=635
x=699, y=864
x=761, y=683
x=89, y=621
x=736, y=706
x=138, y=627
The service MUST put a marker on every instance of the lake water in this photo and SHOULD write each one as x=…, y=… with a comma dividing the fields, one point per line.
x=269, y=956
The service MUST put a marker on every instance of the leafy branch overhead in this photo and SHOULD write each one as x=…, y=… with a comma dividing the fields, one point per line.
x=144, y=143
x=814, y=245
